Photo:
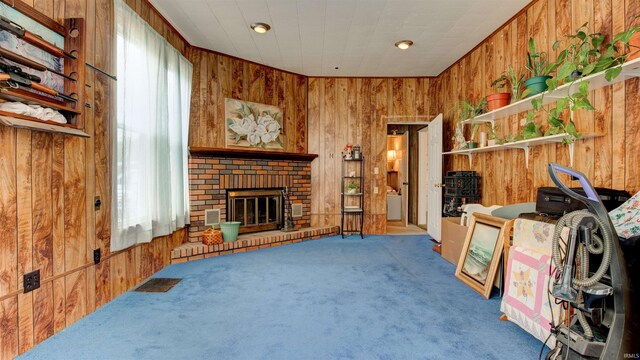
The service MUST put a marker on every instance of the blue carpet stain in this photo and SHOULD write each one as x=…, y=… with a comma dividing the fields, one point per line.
x=384, y=297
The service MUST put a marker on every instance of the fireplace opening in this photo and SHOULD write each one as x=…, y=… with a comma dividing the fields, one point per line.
x=255, y=209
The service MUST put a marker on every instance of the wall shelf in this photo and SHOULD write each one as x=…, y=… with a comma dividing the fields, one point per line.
x=39, y=125
x=523, y=145
x=596, y=81
x=250, y=154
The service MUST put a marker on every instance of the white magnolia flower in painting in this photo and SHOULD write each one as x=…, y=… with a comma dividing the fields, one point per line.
x=244, y=126
x=256, y=127
x=272, y=128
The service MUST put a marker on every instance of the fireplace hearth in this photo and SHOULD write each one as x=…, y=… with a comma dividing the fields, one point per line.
x=255, y=209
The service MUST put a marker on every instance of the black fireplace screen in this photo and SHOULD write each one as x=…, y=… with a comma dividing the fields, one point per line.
x=255, y=209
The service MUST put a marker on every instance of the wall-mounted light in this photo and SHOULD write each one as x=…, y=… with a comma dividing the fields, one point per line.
x=391, y=155
x=404, y=44
x=260, y=28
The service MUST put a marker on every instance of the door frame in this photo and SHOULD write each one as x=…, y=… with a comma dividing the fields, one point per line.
x=423, y=120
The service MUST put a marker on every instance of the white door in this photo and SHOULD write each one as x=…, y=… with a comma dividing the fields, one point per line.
x=404, y=178
x=434, y=215
x=422, y=177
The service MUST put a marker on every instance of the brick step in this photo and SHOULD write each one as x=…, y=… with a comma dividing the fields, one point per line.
x=247, y=242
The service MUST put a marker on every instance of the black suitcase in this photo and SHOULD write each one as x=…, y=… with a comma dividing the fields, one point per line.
x=552, y=201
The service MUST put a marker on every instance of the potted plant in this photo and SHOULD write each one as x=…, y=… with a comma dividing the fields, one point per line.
x=353, y=187
x=539, y=68
x=492, y=134
x=470, y=110
x=471, y=144
x=230, y=230
x=531, y=130
x=509, y=78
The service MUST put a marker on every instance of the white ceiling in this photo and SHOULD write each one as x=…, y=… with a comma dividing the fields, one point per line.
x=312, y=37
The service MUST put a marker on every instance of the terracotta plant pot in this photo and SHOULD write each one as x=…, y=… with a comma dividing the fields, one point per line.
x=496, y=101
x=537, y=84
x=634, y=45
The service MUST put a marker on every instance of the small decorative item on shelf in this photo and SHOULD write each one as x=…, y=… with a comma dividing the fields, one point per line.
x=348, y=149
x=352, y=173
x=357, y=154
x=353, y=187
x=211, y=236
x=459, y=143
x=482, y=139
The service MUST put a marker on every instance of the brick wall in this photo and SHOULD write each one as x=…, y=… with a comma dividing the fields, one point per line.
x=209, y=177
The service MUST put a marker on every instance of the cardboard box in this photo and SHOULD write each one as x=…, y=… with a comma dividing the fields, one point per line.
x=453, y=236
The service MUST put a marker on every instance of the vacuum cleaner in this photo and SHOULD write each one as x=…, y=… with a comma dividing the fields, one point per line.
x=591, y=282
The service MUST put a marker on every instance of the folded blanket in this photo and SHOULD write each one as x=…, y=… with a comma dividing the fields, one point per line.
x=35, y=111
x=626, y=218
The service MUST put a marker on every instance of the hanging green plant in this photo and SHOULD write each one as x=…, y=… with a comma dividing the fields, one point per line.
x=531, y=130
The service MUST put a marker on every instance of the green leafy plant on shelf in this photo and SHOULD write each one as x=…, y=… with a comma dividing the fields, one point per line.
x=585, y=54
x=512, y=79
x=540, y=69
x=353, y=187
x=469, y=110
x=530, y=130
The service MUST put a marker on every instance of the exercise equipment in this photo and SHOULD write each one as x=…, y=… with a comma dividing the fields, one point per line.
x=591, y=281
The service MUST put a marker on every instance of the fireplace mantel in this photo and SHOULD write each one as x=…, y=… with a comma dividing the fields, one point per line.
x=250, y=154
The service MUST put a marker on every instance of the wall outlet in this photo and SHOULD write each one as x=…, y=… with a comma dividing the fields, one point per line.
x=375, y=189
x=376, y=170
x=31, y=281
x=96, y=256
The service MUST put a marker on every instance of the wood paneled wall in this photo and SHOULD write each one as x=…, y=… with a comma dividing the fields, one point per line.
x=351, y=110
x=47, y=187
x=609, y=161
x=217, y=77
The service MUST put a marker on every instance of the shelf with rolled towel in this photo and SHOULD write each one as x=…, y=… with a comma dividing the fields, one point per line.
x=29, y=122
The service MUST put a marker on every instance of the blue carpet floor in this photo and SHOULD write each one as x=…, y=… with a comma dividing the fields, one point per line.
x=384, y=297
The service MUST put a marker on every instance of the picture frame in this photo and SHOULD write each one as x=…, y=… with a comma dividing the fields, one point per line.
x=481, y=252
x=253, y=126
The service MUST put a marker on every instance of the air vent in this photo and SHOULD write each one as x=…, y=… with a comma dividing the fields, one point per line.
x=211, y=216
x=296, y=210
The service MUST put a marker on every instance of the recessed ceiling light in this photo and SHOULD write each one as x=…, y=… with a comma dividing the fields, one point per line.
x=404, y=44
x=260, y=28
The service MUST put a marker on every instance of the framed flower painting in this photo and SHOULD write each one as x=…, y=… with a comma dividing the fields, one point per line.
x=253, y=126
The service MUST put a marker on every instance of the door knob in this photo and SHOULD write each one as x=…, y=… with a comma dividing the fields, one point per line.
x=439, y=185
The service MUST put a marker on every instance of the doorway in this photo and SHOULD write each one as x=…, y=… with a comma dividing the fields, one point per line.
x=407, y=178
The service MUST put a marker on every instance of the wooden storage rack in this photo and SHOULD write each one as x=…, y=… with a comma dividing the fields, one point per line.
x=73, y=32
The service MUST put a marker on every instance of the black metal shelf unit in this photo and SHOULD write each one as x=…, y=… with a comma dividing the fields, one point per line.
x=352, y=203
x=461, y=187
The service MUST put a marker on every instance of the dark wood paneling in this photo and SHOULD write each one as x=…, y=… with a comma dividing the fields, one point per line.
x=48, y=183
x=351, y=111
x=606, y=160
x=217, y=77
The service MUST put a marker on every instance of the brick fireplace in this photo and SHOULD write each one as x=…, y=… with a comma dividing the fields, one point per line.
x=212, y=173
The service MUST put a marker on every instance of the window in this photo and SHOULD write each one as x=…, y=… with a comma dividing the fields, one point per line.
x=150, y=180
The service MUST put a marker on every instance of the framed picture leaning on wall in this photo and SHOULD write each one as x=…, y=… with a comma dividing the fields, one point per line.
x=481, y=252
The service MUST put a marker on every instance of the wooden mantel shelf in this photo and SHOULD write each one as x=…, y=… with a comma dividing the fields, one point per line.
x=250, y=154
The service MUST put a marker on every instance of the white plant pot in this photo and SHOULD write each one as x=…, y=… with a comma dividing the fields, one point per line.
x=491, y=142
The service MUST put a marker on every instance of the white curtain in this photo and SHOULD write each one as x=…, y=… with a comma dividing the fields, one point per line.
x=150, y=180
